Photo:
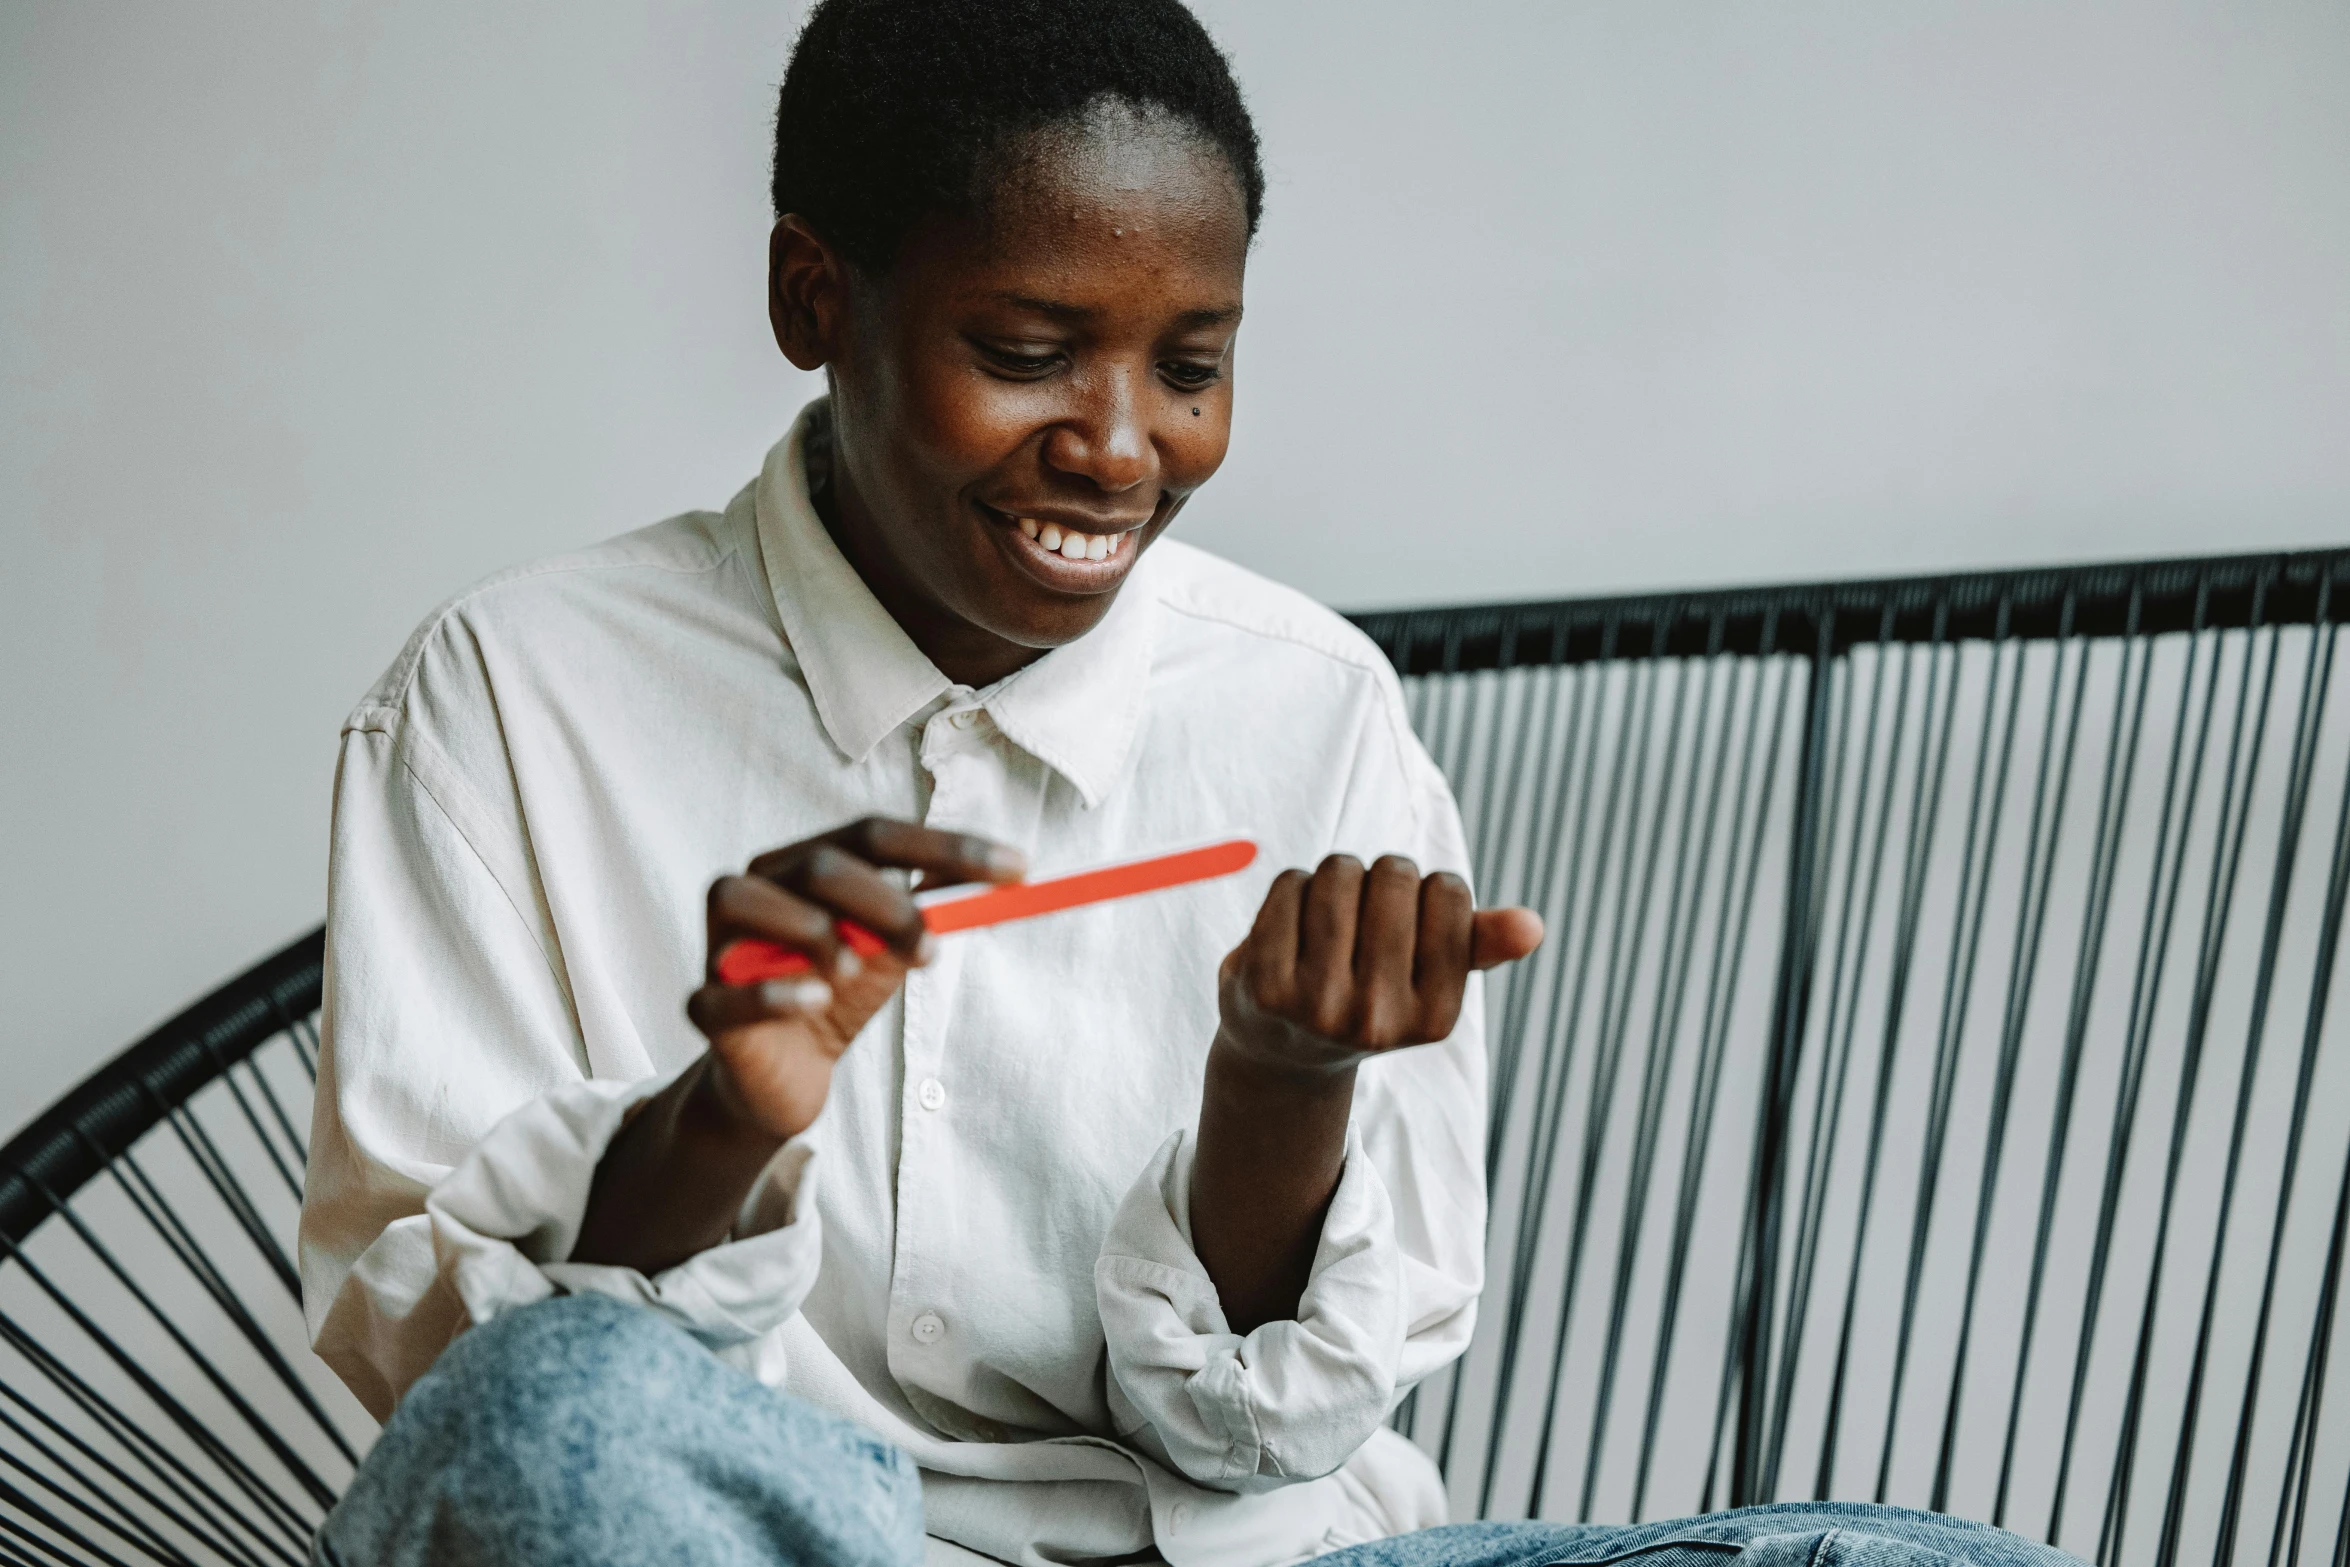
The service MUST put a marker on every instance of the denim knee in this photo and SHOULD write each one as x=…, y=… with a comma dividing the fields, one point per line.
x=583, y=1429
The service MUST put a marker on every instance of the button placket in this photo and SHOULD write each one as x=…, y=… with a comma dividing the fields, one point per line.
x=921, y=1228
x=957, y=756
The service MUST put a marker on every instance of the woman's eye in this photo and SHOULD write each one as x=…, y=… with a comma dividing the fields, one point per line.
x=1011, y=361
x=1190, y=377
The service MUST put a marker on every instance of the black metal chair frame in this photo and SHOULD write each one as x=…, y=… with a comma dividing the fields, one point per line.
x=1742, y=812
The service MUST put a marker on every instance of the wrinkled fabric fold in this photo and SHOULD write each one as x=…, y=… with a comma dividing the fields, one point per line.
x=1291, y=1400
x=504, y=1222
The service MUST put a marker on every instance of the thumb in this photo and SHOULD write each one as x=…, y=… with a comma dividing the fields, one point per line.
x=1504, y=935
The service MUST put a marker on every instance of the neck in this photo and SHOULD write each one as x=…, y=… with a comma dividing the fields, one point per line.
x=966, y=654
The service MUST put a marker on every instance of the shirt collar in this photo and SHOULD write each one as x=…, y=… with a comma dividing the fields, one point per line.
x=1077, y=709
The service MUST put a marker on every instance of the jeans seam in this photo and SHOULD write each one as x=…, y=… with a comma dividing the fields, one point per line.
x=1728, y=1547
x=1819, y=1549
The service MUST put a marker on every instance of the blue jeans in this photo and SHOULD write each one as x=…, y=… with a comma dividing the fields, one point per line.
x=589, y=1433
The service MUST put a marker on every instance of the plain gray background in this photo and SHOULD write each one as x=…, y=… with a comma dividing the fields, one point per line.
x=312, y=313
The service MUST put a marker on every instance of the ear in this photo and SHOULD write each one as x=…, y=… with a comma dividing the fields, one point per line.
x=807, y=294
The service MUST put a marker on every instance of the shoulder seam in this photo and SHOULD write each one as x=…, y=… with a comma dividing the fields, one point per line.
x=407, y=747
x=1411, y=755
x=412, y=654
x=1330, y=648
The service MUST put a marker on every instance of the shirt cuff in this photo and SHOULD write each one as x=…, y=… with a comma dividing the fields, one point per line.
x=1292, y=1400
x=505, y=1218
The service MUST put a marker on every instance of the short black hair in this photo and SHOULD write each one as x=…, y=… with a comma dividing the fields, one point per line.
x=892, y=110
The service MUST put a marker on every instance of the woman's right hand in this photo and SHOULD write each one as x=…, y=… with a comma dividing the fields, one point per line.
x=774, y=1043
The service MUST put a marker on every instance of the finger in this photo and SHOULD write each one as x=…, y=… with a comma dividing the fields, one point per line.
x=717, y=1009
x=741, y=906
x=945, y=859
x=1386, y=934
x=1269, y=956
x=854, y=889
x=1505, y=935
x=1326, y=946
x=1447, y=916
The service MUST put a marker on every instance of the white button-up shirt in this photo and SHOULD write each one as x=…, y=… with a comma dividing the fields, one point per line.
x=981, y=1249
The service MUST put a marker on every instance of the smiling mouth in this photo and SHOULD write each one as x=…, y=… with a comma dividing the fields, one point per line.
x=1063, y=558
x=1070, y=543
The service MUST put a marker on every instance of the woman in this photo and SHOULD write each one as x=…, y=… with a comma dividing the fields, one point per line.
x=1124, y=1242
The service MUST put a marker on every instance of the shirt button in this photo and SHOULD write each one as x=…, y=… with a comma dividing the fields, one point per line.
x=928, y=1329
x=932, y=1093
x=1178, y=1516
x=965, y=719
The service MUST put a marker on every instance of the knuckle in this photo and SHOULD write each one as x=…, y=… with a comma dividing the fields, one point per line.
x=805, y=923
x=1340, y=865
x=1439, y=1017
x=706, y=1009
x=825, y=863
x=727, y=895
x=881, y=839
x=1396, y=865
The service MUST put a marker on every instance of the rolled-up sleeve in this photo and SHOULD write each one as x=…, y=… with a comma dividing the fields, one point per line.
x=505, y=1219
x=457, y=1126
x=1393, y=1289
x=1291, y=1400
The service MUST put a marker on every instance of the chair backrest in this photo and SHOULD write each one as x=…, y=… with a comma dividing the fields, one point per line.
x=1927, y=1093
x=158, y=1399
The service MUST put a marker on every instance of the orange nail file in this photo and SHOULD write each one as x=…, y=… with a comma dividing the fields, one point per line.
x=747, y=962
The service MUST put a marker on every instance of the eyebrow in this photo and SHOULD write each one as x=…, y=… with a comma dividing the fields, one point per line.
x=1061, y=310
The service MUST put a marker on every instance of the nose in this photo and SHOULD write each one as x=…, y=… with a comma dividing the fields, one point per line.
x=1103, y=438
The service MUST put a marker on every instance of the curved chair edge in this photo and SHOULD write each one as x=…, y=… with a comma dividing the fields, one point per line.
x=107, y=1111
x=2125, y=597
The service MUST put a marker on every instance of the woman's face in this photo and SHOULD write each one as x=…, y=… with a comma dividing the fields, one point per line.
x=1021, y=406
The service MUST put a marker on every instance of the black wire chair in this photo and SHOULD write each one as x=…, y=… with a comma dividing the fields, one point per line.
x=1928, y=1093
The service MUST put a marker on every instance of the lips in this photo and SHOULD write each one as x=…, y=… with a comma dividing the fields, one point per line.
x=1071, y=543
x=1060, y=554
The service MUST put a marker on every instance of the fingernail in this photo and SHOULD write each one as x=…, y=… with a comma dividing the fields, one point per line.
x=1005, y=860
x=801, y=995
x=925, y=949
x=846, y=964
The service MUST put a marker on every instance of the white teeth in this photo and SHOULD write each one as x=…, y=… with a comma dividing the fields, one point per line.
x=1069, y=543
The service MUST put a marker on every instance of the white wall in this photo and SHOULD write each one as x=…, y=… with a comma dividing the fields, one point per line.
x=309, y=314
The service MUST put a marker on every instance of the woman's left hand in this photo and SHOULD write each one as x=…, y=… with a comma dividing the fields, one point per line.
x=1346, y=963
